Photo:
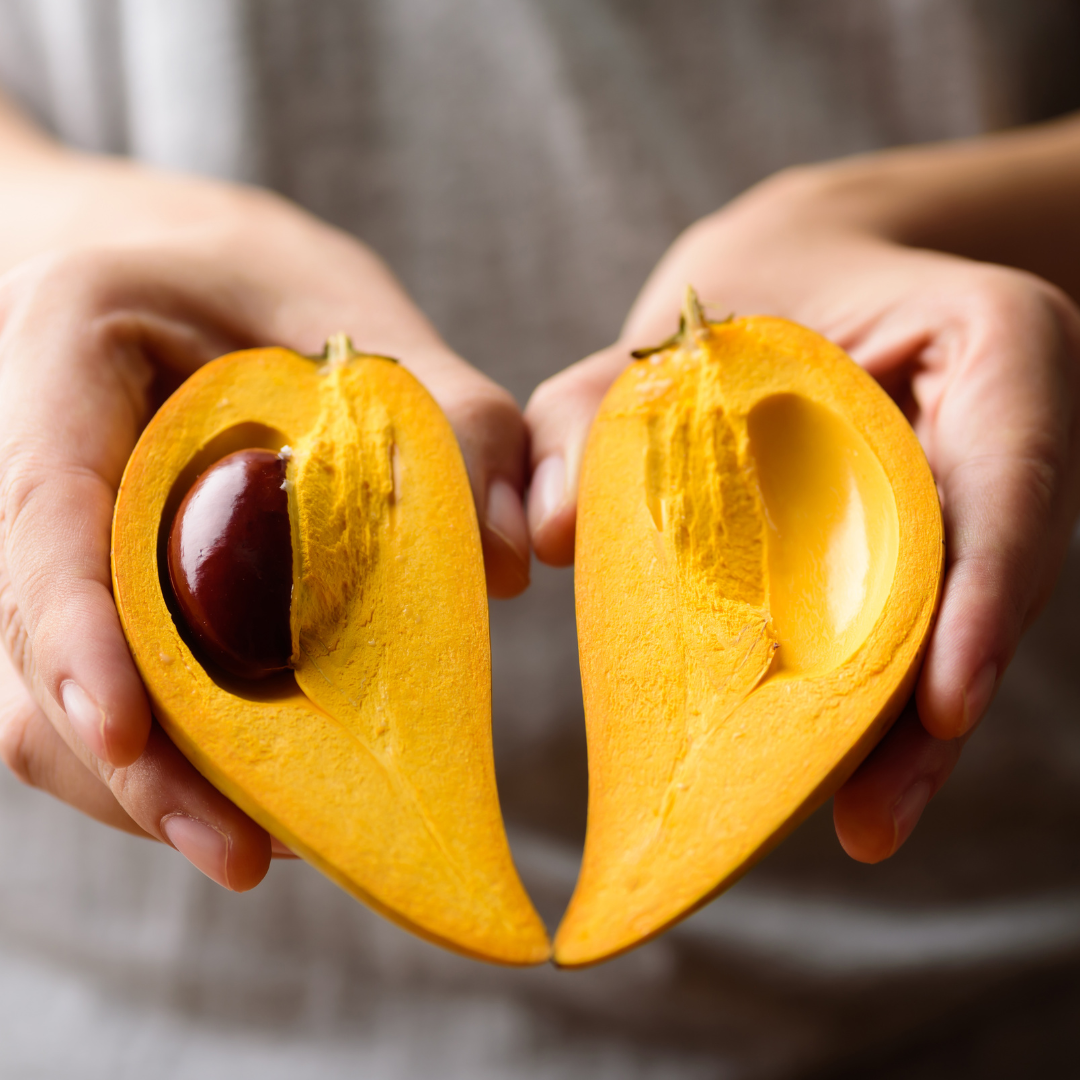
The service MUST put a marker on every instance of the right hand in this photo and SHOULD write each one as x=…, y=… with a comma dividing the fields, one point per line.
x=985, y=362
x=159, y=276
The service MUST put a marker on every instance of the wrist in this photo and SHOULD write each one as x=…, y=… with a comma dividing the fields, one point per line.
x=1005, y=198
x=870, y=194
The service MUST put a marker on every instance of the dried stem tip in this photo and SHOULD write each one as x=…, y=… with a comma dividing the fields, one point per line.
x=339, y=349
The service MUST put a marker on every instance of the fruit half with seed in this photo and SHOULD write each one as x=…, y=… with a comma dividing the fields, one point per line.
x=369, y=751
x=759, y=557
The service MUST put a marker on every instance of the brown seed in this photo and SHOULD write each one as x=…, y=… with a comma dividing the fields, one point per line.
x=230, y=563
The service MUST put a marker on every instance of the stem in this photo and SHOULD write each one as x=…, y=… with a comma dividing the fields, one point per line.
x=693, y=318
x=339, y=349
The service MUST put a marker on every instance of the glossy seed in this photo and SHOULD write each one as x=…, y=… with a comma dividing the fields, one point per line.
x=230, y=563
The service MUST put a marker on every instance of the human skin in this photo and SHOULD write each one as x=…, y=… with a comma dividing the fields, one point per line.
x=123, y=280
x=118, y=282
x=950, y=273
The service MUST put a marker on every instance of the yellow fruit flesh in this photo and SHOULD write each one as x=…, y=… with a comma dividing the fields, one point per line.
x=832, y=531
x=374, y=763
x=758, y=559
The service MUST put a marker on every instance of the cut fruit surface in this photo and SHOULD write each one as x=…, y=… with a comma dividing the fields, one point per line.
x=831, y=531
x=372, y=758
x=759, y=555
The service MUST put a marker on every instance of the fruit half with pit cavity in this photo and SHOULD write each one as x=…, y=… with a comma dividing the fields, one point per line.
x=370, y=753
x=759, y=556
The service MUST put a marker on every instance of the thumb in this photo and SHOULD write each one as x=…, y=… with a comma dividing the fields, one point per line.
x=558, y=416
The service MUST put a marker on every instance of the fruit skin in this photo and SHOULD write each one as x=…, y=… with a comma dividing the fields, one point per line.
x=230, y=563
x=374, y=761
x=739, y=487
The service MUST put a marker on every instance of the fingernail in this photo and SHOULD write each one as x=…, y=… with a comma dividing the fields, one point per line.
x=977, y=696
x=547, y=493
x=86, y=717
x=203, y=846
x=908, y=809
x=505, y=518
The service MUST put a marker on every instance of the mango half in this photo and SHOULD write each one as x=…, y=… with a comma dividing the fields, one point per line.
x=758, y=561
x=372, y=759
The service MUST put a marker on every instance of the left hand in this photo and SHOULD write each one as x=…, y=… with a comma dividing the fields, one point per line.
x=92, y=336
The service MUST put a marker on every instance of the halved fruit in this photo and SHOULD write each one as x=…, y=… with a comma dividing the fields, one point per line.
x=372, y=758
x=759, y=556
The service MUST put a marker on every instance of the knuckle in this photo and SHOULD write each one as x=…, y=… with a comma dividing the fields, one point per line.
x=36, y=532
x=543, y=394
x=30, y=475
x=1004, y=562
x=72, y=270
x=486, y=416
x=64, y=270
x=459, y=387
x=1012, y=303
x=1040, y=479
x=15, y=743
x=31, y=294
x=123, y=783
x=13, y=635
x=69, y=280
x=556, y=386
x=587, y=379
x=23, y=478
x=1030, y=472
x=492, y=403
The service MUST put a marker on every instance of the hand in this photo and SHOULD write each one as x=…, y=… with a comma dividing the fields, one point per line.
x=983, y=361
x=92, y=336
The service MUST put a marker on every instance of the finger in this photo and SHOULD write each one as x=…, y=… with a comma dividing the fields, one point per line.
x=504, y=538
x=988, y=591
x=76, y=383
x=1003, y=444
x=880, y=805
x=491, y=433
x=164, y=794
x=33, y=750
x=171, y=801
x=57, y=483
x=160, y=796
x=559, y=415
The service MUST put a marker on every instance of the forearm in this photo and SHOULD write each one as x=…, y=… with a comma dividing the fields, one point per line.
x=804, y=243
x=1010, y=198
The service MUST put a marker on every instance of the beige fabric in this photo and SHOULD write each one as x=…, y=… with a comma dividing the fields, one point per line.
x=521, y=164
